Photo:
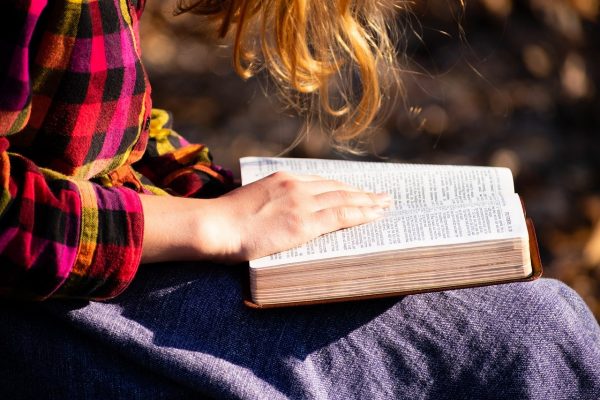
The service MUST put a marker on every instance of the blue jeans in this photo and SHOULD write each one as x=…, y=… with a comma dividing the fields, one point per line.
x=181, y=331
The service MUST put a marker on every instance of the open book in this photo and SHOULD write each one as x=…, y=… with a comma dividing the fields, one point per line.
x=450, y=227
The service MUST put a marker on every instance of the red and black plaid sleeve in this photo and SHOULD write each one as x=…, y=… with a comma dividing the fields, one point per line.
x=173, y=164
x=73, y=103
x=78, y=143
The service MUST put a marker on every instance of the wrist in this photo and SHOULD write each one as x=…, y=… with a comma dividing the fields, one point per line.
x=217, y=237
x=172, y=229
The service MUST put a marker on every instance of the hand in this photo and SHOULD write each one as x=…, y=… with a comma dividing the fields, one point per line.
x=282, y=211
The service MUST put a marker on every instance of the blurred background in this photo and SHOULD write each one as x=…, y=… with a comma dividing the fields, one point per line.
x=499, y=82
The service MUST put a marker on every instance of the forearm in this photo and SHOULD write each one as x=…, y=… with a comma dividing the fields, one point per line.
x=173, y=228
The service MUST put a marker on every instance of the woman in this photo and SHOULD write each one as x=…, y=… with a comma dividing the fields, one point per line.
x=94, y=182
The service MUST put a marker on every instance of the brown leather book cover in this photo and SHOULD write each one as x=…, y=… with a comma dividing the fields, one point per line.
x=536, y=266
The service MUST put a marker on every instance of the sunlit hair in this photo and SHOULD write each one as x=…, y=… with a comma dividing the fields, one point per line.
x=333, y=58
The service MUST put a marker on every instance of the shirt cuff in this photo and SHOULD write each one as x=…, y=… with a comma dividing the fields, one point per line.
x=110, y=243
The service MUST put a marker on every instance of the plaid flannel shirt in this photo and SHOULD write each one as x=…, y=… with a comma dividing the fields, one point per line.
x=78, y=142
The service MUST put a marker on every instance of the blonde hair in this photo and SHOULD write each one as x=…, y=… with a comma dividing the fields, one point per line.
x=316, y=51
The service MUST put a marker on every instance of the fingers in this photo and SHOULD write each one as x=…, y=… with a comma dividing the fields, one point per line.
x=348, y=203
x=291, y=175
x=305, y=178
x=344, y=198
x=312, y=184
x=323, y=186
x=332, y=219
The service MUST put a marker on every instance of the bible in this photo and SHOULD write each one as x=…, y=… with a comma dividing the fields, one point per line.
x=450, y=227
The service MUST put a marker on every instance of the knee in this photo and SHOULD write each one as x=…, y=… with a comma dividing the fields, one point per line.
x=551, y=300
x=547, y=310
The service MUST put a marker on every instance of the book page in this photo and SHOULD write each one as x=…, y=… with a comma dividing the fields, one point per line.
x=410, y=229
x=412, y=186
x=434, y=205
